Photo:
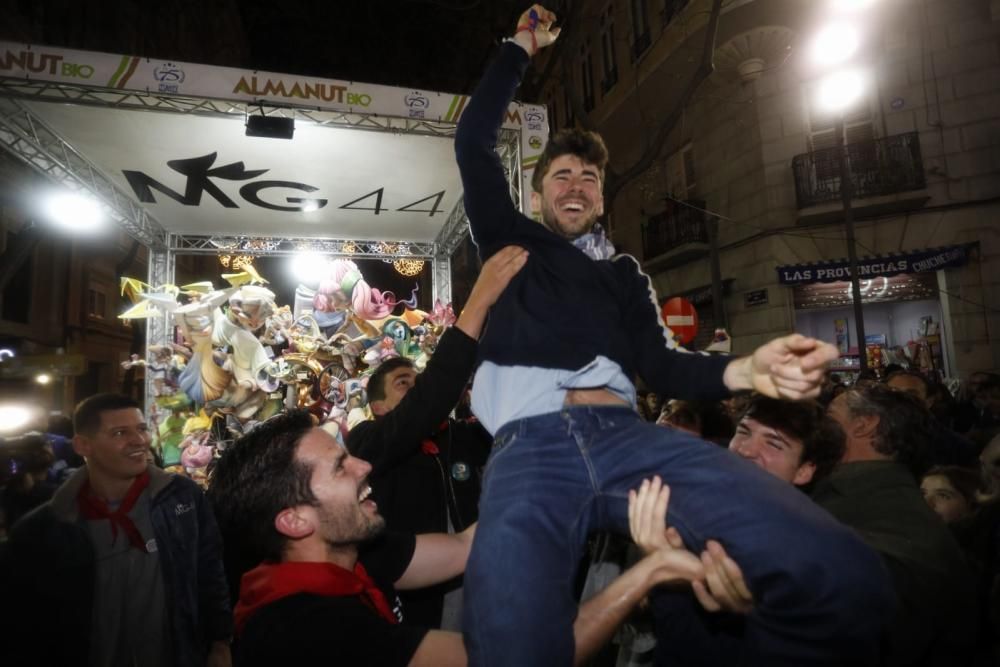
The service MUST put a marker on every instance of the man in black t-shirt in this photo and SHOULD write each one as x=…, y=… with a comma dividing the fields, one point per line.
x=289, y=497
x=425, y=466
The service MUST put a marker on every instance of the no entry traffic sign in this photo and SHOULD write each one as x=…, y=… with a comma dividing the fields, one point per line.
x=679, y=314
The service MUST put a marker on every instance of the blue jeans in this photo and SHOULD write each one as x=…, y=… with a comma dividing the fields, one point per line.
x=820, y=594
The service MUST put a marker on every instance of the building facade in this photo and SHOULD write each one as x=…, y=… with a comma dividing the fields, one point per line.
x=752, y=152
x=59, y=294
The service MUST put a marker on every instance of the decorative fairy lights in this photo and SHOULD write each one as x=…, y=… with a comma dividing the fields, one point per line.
x=236, y=262
x=408, y=267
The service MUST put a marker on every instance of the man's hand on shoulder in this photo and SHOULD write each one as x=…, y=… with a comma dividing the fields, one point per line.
x=493, y=280
x=534, y=29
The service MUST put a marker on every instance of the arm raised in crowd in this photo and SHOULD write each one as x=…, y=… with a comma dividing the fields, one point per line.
x=390, y=439
x=492, y=214
x=497, y=273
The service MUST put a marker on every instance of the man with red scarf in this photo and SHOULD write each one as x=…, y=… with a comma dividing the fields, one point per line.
x=291, y=498
x=124, y=565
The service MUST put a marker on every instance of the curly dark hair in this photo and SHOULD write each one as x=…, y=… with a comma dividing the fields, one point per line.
x=588, y=146
x=256, y=478
x=903, y=427
x=822, y=438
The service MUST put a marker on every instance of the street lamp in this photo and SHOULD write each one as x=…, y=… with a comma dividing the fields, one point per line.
x=75, y=212
x=850, y=5
x=840, y=91
x=835, y=44
x=837, y=93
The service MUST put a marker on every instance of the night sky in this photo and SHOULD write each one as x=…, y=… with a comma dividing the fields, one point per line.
x=438, y=45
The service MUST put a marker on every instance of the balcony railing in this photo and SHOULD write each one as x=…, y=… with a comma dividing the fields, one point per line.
x=671, y=8
x=878, y=167
x=677, y=225
x=610, y=79
x=641, y=43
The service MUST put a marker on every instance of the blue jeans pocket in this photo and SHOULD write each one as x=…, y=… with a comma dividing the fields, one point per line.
x=500, y=445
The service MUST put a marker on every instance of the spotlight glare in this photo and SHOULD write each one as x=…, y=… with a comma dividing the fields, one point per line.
x=309, y=267
x=840, y=90
x=43, y=378
x=13, y=418
x=75, y=212
x=834, y=44
x=850, y=5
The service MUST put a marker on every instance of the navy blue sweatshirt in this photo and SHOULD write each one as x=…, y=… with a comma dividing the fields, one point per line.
x=563, y=309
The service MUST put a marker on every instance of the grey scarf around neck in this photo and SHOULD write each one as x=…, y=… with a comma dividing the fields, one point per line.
x=595, y=244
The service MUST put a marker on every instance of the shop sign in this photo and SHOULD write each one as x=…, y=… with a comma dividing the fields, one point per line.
x=327, y=92
x=869, y=267
x=757, y=297
x=48, y=63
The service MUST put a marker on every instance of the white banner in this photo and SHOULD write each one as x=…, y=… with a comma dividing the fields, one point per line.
x=166, y=77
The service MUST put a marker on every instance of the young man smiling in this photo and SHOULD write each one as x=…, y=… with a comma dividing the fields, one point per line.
x=125, y=560
x=555, y=388
x=292, y=498
x=795, y=442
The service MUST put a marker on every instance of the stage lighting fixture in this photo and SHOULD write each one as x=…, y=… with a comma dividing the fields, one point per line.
x=271, y=127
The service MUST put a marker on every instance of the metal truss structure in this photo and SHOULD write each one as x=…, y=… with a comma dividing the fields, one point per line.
x=185, y=244
x=45, y=91
x=509, y=149
x=26, y=136
x=159, y=327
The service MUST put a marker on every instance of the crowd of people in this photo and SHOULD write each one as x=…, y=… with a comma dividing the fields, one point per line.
x=367, y=545
x=776, y=515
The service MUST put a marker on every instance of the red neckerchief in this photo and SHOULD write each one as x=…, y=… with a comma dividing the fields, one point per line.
x=93, y=508
x=428, y=446
x=270, y=582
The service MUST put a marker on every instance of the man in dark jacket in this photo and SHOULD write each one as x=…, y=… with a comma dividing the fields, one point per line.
x=555, y=387
x=947, y=447
x=425, y=466
x=875, y=491
x=124, y=565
